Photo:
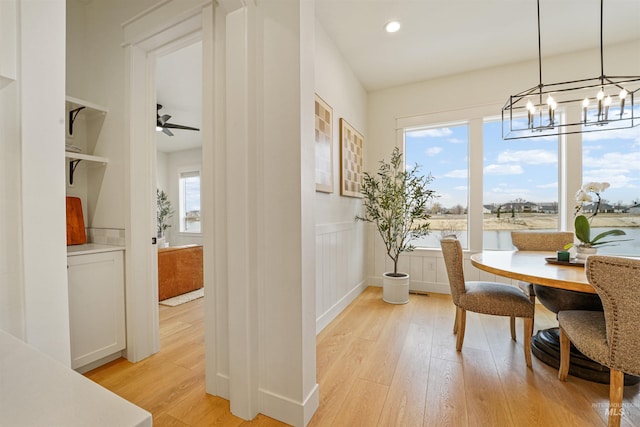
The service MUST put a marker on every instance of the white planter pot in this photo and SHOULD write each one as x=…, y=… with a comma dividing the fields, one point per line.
x=395, y=290
x=583, y=252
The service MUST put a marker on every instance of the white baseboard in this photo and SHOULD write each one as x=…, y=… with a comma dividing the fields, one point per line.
x=221, y=386
x=103, y=361
x=284, y=409
x=326, y=317
x=417, y=286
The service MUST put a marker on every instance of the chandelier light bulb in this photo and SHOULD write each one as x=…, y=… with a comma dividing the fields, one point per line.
x=585, y=105
x=600, y=95
x=530, y=106
x=622, y=96
x=392, y=26
x=607, y=101
x=550, y=100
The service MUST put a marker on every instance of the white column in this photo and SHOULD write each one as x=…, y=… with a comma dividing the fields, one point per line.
x=42, y=93
x=270, y=222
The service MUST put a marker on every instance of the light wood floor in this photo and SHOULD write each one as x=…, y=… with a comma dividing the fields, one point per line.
x=380, y=365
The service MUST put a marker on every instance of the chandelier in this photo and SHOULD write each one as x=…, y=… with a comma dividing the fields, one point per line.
x=578, y=106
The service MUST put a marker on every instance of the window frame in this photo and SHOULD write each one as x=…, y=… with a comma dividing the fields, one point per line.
x=569, y=172
x=186, y=172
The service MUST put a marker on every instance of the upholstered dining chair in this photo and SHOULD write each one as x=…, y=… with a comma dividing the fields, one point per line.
x=484, y=297
x=610, y=337
x=544, y=241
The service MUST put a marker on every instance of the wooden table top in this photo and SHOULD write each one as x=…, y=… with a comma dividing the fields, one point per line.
x=531, y=267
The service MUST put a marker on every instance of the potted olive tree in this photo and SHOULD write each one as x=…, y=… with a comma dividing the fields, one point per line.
x=396, y=201
x=164, y=213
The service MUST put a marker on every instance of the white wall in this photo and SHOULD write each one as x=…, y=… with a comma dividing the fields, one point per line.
x=162, y=173
x=340, y=244
x=444, y=100
x=95, y=73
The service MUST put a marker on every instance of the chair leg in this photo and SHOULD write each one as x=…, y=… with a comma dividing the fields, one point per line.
x=565, y=355
x=455, y=322
x=528, y=332
x=616, y=388
x=462, y=320
x=513, y=328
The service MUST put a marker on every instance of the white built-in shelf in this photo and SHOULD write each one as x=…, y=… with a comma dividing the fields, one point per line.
x=77, y=103
x=79, y=156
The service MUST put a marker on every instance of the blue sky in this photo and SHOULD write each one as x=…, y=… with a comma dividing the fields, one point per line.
x=523, y=168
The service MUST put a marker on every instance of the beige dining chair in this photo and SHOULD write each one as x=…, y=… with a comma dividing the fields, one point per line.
x=610, y=337
x=484, y=297
x=543, y=241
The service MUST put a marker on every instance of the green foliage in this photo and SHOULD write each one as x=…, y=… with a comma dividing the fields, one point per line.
x=164, y=213
x=583, y=233
x=396, y=201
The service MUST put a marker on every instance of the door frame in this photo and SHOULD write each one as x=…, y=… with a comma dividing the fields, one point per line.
x=154, y=32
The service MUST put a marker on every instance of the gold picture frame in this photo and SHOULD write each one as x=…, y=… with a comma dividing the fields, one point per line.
x=323, y=146
x=351, y=160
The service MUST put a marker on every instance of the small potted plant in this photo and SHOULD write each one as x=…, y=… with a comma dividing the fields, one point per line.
x=164, y=213
x=396, y=201
x=588, y=245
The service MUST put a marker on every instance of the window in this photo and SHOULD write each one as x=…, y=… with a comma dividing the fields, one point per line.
x=613, y=157
x=520, y=179
x=190, y=202
x=443, y=152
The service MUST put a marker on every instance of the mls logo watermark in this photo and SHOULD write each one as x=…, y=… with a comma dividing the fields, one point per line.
x=613, y=410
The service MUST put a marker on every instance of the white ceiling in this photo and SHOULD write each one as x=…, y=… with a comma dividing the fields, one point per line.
x=442, y=37
x=437, y=38
x=179, y=90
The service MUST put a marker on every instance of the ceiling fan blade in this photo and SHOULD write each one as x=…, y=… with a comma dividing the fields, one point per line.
x=164, y=118
x=167, y=131
x=172, y=126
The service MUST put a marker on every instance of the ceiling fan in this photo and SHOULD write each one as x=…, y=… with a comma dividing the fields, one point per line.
x=162, y=125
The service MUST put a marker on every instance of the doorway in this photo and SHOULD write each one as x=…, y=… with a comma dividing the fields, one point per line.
x=148, y=38
x=178, y=82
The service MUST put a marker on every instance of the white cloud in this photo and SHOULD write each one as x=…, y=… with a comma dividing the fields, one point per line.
x=457, y=173
x=432, y=133
x=616, y=161
x=503, y=170
x=531, y=157
x=432, y=151
x=632, y=134
x=617, y=178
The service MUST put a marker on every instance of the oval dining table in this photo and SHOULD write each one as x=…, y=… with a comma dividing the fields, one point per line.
x=542, y=269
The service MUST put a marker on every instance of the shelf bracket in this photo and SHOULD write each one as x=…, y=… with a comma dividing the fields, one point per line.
x=73, y=164
x=72, y=118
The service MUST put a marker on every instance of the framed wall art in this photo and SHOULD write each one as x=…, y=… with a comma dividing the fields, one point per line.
x=324, y=146
x=351, y=159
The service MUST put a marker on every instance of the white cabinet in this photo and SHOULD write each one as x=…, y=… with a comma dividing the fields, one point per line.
x=96, y=306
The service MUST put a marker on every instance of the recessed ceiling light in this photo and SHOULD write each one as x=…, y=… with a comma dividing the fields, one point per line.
x=392, y=27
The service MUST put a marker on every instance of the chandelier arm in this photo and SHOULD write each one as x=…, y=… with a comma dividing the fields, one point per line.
x=539, y=54
x=601, y=40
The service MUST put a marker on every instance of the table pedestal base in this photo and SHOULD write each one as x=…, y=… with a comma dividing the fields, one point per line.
x=545, y=345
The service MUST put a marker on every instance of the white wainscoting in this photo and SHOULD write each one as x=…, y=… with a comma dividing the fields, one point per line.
x=425, y=266
x=340, y=268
